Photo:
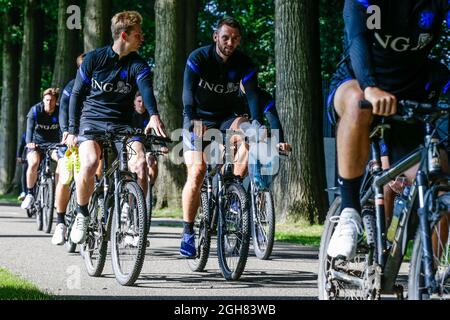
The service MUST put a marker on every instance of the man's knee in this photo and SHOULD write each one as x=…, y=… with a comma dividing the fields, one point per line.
x=350, y=112
x=196, y=173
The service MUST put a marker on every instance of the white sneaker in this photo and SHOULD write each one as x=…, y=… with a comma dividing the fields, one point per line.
x=79, y=229
x=27, y=202
x=345, y=237
x=59, y=236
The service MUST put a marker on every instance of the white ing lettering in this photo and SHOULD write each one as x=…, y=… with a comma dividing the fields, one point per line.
x=219, y=88
x=120, y=87
x=402, y=44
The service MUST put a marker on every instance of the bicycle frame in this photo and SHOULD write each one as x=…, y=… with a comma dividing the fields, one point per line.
x=389, y=260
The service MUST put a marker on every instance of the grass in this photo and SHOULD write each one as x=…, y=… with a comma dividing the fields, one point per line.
x=13, y=287
x=299, y=232
x=9, y=199
x=174, y=213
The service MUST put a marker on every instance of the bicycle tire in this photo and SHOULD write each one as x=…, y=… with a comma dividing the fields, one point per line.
x=203, y=233
x=263, y=249
x=70, y=219
x=128, y=279
x=234, y=190
x=94, y=267
x=324, y=241
x=416, y=290
x=49, y=204
x=38, y=209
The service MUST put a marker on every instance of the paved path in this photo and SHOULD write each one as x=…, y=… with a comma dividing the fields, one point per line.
x=290, y=274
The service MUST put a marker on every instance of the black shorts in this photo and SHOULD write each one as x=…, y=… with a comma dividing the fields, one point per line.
x=42, y=147
x=193, y=143
x=103, y=126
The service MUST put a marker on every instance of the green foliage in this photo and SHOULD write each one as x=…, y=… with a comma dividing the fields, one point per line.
x=15, y=288
x=331, y=35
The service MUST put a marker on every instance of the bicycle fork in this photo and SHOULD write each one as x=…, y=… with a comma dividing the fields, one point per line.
x=425, y=234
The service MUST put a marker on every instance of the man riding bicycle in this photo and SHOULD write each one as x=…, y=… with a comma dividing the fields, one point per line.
x=42, y=131
x=211, y=84
x=108, y=80
x=384, y=62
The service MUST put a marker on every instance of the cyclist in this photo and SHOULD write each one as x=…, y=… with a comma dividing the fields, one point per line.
x=111, y=76
x=140, y=121
x=211, y=85
x=42, y=131
x=62, y=190
x=383, y=63
x=21, y=160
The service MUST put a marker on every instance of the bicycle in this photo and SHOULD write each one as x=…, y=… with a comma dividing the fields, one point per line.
x=117, y=212
x=70, y=218
x=43, y=205
x=224, y=211
x=262, y=214
x=150, y=142
x=374, y=269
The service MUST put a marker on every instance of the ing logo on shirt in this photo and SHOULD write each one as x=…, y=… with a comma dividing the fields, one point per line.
x=119, y=87
x=219, y=88
x=401, y=44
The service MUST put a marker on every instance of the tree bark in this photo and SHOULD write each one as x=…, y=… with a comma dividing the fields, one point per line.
x=30, y=63
x=8, y=116
x=175, y=23
x=67, y=49
x=97, y=24
x=299, y=189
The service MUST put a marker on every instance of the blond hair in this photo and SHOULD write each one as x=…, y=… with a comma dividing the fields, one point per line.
x=124, y=21
x=54, y=92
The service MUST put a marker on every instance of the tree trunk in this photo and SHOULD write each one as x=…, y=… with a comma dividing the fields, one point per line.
x=175, y=23
x=97, y=24
x=299, y=189
x=8, y=116
x=67, y=48
x=30, y=63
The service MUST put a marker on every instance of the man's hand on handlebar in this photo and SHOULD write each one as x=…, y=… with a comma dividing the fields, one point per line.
x=383, y=103
x=71, y=140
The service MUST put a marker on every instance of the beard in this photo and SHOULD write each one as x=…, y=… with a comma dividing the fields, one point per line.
x=224, y=51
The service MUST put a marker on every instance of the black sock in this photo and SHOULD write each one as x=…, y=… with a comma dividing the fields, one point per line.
x=350, y=193
x=188, y=227
x=60, y=217
x=83, y=210
x=30, y=191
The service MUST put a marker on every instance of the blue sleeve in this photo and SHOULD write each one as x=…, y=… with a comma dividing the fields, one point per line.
x=145, y=86
x=64, y=109
x=250, y=83
x=31, y=123
x=269, y=109
x=190, y=82
x=21, y=146
x=357, y=36
x=79, y=92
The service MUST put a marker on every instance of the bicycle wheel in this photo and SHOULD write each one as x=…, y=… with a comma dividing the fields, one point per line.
x=333, y=272
x=441, y=258
x=70, y=219
x=149, y=204
x=233, y=238
x=263, y=228
x=48, y=204
x=128, y=234
x=95, y=248
x=201, y=228
x=37, y=208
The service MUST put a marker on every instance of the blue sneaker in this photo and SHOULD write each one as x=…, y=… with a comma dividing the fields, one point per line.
x=187, y=248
